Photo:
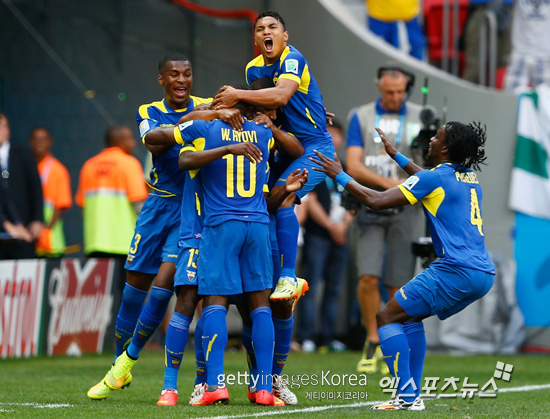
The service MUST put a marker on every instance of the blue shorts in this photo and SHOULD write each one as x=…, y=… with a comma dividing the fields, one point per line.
x=443, y=290
x=186, y=265
x=156, y=235
x=304, y=162
x=235, y=257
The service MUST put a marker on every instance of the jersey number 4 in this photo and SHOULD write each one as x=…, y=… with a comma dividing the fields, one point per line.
x=475, y=212
x=235, y=176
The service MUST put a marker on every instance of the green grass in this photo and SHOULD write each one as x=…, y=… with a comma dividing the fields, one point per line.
x=62, y=380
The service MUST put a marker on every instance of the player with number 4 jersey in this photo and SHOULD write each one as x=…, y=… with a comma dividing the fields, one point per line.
x=451, y=196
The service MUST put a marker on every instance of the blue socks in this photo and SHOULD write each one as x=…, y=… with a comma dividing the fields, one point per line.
x=250, y=355
x=150, y=318
x=416, y=338
x=200, y=364
x=128, y=314
x=263, y=337
x=177, y=335
x=395, y=347
x=214, y=339
x=283, y=336
x=287, y=237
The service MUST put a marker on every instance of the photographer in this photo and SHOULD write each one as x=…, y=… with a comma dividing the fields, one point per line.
x=383, y=235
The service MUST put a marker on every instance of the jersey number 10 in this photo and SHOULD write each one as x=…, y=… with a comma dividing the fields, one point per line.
x=235, y=176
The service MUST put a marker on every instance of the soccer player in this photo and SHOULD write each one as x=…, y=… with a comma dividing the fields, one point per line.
x=192, y=216
x=450, y=195
x=235, y=246
x=153, y=250
x=303, y=114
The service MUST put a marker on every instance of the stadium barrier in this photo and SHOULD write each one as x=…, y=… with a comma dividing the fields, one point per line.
x=58, y=306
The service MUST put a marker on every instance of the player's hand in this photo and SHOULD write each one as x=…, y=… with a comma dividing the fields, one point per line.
x=225, y=98
x=328, y=166
x=203, y=107
x=390, y=149
x=249, y=150
x=262, y=118
x=296, y=180
x=232, y=116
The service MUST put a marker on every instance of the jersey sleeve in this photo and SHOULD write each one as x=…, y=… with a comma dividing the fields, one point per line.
x=420, y=186
x=145, y=121
x=355, y=137
x=190, y=131
x=293, y=67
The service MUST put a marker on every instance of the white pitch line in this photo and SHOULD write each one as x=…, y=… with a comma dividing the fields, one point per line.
x=39, y=405
x=345, y=406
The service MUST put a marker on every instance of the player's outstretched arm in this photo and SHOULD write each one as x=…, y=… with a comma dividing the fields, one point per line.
x=408, y=165
x=272, y=97
x=232, y=116
x=375, y=200
x=159, y=140
x=191, y=159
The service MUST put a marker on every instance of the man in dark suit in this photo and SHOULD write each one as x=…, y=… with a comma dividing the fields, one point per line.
x=19, y=176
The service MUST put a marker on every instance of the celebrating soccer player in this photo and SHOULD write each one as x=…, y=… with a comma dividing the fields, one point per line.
x=450, y=195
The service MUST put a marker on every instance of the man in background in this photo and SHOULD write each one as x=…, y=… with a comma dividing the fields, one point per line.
x=111, y=191
x=382, y=235
x=56, y=189
x=21, y=183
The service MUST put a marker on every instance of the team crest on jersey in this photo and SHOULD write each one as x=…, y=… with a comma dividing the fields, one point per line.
x=143, y=127
x=191, y=275
x=410, y=182
x=291, y=66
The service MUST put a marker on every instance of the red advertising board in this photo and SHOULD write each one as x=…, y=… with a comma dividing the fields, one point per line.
x=21, y=294
x=80, y=302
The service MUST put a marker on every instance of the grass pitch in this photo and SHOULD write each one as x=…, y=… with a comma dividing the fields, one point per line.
x=327, y=386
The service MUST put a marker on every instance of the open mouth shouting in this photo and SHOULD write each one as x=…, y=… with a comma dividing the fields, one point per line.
x=268, y=45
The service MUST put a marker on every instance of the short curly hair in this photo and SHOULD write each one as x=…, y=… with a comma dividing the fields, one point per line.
x=465, y=143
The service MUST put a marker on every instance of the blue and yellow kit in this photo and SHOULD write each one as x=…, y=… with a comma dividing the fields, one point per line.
x=304, y=115
x=166, y=177
x=451, y=198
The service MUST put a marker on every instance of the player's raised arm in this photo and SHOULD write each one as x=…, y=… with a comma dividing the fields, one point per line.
x=408, y=165
x=272, y=97
x=191, y=159
x=159, y=140
x=375, y=200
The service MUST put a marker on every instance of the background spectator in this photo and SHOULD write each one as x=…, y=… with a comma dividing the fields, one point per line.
x=471, y=38
x=56, y=190
x=326, y=258
x=22, y=185
x=383, y=17
x=529, y=63
x=111, y=191
x=384, y=235
x=10, y=223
